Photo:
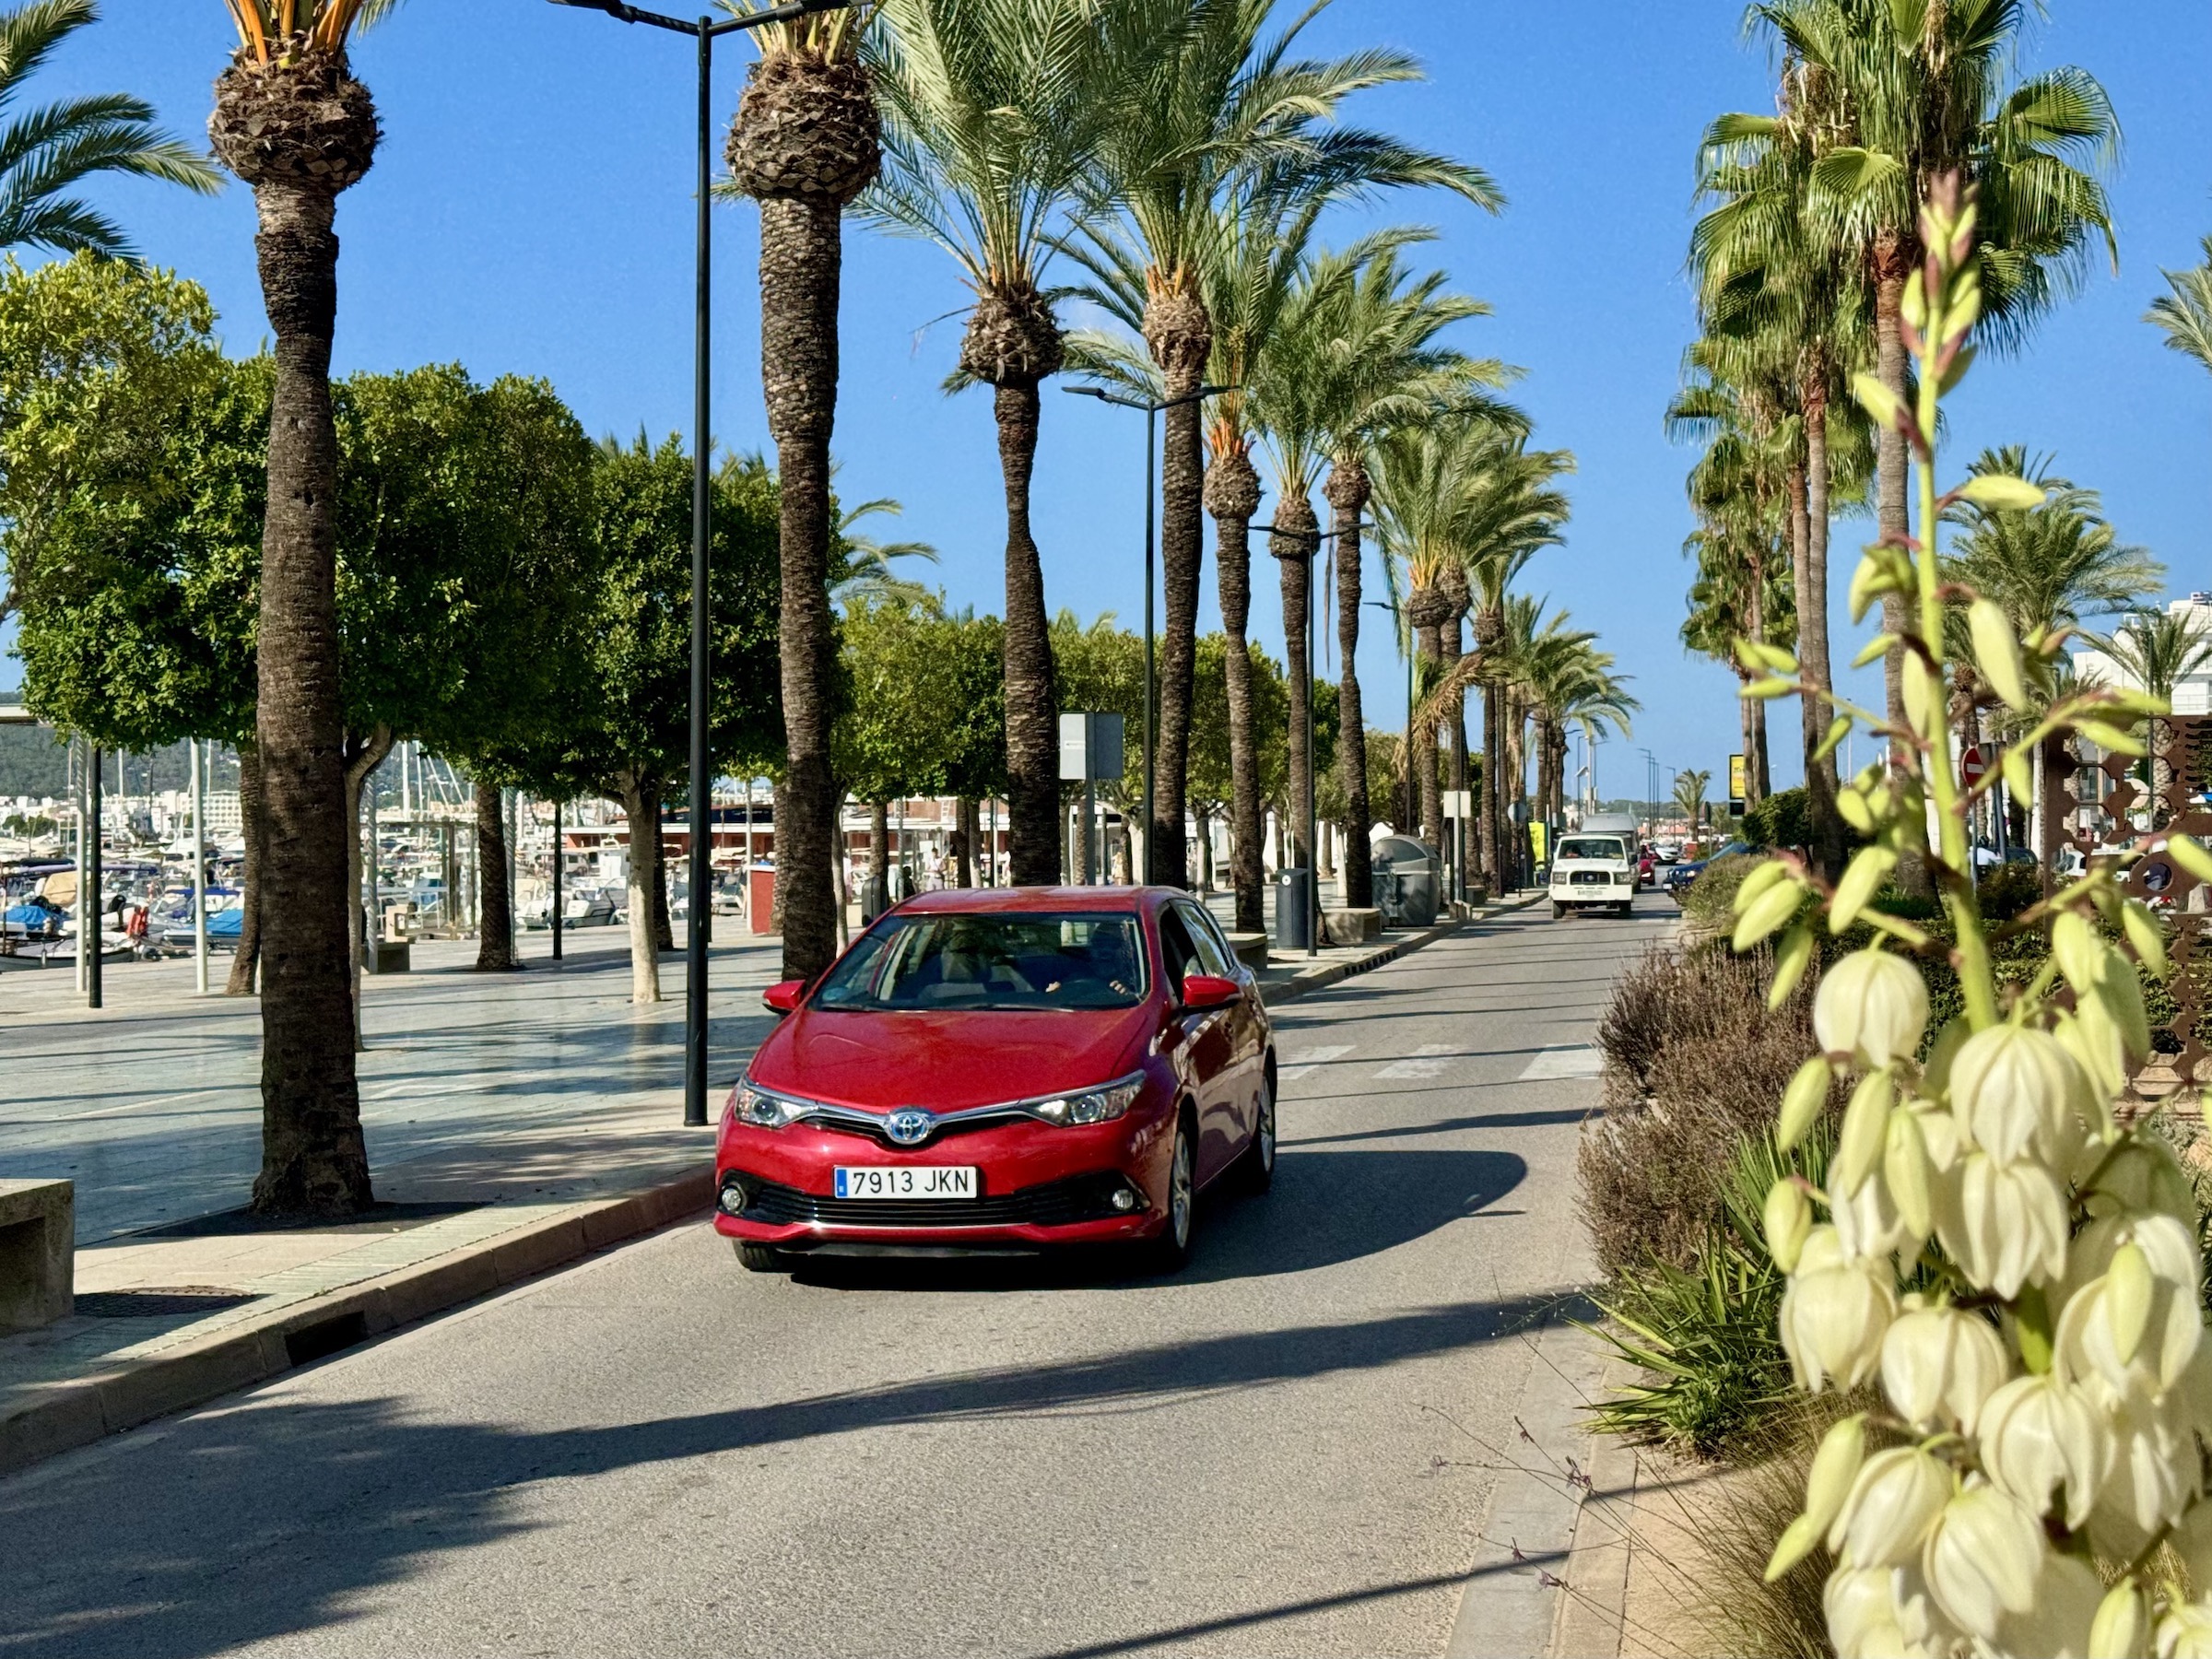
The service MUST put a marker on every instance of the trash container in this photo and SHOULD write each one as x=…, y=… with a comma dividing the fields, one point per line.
x=1407, y=882
x=1294, y=909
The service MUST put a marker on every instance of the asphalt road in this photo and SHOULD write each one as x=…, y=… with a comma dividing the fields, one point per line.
x=1283, y=1450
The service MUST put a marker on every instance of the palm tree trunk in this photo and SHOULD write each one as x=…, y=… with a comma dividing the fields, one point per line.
x=1347, y=493
x=314, y=1159
x=1292, y=545
x=1233, y=494
x=801, y=259
x=1749, y=710
x=963, y=862
x=495, y=905
x=245, y=965
x=1182, y=556
x=1822, y=779
x=1429, y=641
x=1032, y=714
x=641, y=805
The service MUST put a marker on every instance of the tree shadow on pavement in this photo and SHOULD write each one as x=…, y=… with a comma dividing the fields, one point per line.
x=275, y=1517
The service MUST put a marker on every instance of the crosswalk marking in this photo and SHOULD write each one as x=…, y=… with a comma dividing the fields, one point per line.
x=1422, y=1063
x=1555, y=1063
x=1305, y=1062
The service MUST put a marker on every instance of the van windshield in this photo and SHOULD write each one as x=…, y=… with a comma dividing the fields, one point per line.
x=1592, y=846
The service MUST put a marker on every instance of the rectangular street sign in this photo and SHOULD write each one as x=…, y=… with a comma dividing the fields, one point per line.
x=1091, y=748
x=1459, y=804
x=1739, y=782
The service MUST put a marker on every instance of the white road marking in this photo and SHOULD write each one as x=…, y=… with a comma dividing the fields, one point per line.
x=1424, y=1064
x=1556, y=1064
x=1305, y=1062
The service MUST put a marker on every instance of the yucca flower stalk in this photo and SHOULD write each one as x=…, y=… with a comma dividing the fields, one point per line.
x=2017, y=1272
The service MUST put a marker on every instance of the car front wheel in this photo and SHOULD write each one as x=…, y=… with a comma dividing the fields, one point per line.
x=1558, y=912
x=760, y=1258
x=1171, y=1248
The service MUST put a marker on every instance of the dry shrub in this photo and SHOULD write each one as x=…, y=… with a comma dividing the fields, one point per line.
x=1693, y=1061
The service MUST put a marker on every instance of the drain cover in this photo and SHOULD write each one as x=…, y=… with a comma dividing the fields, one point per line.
x=164, y=1303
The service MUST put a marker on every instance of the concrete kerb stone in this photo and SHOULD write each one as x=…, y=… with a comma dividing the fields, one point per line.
x=1330, y=973
x=59, y=1416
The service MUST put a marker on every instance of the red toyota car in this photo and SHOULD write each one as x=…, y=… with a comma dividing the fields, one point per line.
x=1002, y=1069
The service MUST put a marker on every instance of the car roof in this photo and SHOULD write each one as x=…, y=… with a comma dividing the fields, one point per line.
x=1056, y=900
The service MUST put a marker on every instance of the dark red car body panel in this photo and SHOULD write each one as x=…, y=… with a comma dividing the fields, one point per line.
x=1212, y=1062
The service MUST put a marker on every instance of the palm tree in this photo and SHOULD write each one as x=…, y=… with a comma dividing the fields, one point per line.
x=47, y=151
x=805, y=145
x=2159, y=649
x=991, y=111
x=1918, y=92
x=1581, y=690
x=2184, y=313
x=1742, y=591
x=1204, y=111
x=1378, y=365
x=293, y=123
x=1689, y=794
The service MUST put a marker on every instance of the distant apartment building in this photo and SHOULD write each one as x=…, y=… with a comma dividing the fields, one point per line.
x=2193, y=693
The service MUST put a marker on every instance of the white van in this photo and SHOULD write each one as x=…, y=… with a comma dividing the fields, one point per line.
x=1594, y=867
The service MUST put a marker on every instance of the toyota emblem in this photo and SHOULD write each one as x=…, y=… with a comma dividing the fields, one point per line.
x=910, y=1125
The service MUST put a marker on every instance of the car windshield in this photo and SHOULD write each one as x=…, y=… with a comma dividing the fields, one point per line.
x=994, y=961
x=1591, y=846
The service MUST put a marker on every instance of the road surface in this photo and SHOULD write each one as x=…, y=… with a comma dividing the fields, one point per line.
x=1289, y=1448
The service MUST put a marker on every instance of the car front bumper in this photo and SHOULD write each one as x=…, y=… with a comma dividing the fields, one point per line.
x=1040, y=1186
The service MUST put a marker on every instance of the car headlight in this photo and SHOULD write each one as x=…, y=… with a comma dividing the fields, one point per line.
x=1625, y=875
x=761, y=1109
x=1093, y=1106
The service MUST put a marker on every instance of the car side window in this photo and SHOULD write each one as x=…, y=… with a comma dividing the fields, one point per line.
x=1213, y=956
x=1177, y=955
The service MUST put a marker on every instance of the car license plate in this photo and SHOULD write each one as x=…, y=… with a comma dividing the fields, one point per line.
x=907, y=1181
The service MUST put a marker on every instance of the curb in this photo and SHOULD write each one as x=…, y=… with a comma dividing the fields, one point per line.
x=60, y=1416
x=1594, y=1612
x=1314, y=979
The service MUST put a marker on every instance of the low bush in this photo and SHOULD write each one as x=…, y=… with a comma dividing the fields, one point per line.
x=1693, y=1064
x=1708, y=904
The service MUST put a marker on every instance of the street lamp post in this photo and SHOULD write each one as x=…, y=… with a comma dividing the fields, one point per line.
x=1152, y=414
x=705, y=31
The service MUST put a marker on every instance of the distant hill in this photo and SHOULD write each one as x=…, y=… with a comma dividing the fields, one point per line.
x=33, y=761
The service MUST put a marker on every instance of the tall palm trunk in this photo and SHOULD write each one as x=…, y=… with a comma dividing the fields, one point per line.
x=1761, y=779
x=495, y=905
x=1292, y=545
x=300, y=130
x=879, y=854
x=1013, y=344
x=806, y=143
x=245, y=965
x=1426, y=610
x=641, y=805
x=1232, y=496
x=362, y=756
x=1181, y=336
x=1485, y=858
x=1347, y=492
x=963, y=843
x=1820, y=776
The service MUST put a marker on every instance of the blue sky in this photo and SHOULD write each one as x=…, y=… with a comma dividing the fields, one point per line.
x=531, y=212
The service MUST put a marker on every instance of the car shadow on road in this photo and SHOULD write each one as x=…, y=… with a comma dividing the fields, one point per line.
x=275, y=1516
x=1327, y=1207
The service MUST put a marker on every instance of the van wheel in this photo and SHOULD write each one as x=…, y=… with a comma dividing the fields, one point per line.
x=1558, y=912
x=760, y=1258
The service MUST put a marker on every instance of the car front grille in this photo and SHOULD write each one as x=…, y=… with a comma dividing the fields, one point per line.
x=867, y=1126
x=1590, y=879
x=1054, y=1204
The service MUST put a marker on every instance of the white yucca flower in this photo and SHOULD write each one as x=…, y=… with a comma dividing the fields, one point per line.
x=1833, y=1314
x=2186, y=1632
x=1986, y=1551
x=1872, y=1006
x=2068, y=1595
x=1892, y=1504
x=2040, y=1436
x=1939, y=1365
x=2137, y=1322
x=2019, y=1094
x=2008, y=1224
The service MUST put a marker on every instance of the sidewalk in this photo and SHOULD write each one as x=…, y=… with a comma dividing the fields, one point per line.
x=515, y=1122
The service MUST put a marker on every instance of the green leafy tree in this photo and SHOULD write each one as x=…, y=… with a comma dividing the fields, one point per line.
x=891, y=739
x=47, y=152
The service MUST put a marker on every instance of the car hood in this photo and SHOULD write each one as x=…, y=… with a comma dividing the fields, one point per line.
x=947, y=1059
x=1592, y=863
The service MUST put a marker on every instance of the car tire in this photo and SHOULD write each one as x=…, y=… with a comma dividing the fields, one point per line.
x=760, y=1258
x=1558, y=912
x=1259, y=1157
x=1629, y=909
x=1170, y=1249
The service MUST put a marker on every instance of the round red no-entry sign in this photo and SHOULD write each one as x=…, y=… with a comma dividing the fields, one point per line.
x=1971, y=766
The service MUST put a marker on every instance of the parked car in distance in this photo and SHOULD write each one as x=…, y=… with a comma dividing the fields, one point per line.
x=1666, y=851
x=1002, y=1069
x=1679, y=876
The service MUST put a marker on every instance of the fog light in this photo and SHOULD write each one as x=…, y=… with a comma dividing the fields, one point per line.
x=734, y=1197
x=1124, y=1198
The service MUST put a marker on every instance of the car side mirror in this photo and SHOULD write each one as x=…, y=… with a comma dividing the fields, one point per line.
x=1203, y=991
x=785, y=997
